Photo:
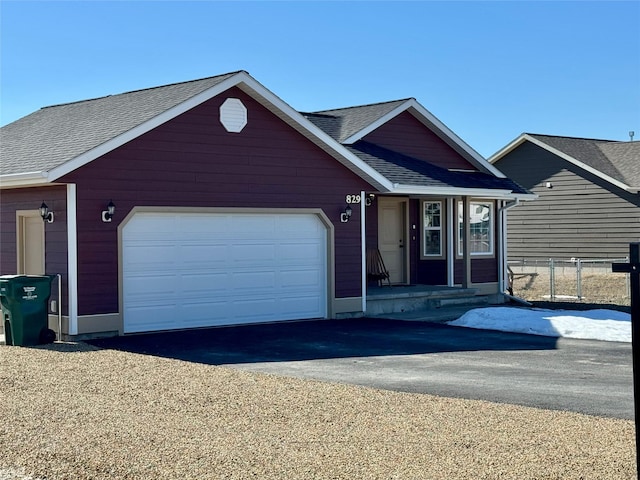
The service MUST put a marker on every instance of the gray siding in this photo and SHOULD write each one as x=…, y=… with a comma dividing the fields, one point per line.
x=581, y=216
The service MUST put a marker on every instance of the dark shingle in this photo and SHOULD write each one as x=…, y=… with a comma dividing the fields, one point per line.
x=406, y=170
x=54, y=135
x=618, y=160
x=626, y=157
x=348, y=121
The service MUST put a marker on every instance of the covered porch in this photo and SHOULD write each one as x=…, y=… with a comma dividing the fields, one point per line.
x=424, y=257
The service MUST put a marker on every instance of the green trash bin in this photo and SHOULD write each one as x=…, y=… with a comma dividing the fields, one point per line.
x=24, y=300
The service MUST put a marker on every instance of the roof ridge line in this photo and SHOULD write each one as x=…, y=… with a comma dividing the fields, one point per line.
x=571, y=137
x=143, y=89
x=366, y=105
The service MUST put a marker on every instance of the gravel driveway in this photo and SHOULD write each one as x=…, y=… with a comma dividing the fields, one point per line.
x=77, y=411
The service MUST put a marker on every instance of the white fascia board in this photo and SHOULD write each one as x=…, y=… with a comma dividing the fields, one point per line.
x=294, y=118
x=279, y=107
x=378, y=123
x=577, y=163
x=28, y=179
x=475, y=156
x=143, y=128
x=453, y=191
x=508, y=148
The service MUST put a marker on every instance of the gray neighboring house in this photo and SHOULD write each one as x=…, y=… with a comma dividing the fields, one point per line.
x=588, y=203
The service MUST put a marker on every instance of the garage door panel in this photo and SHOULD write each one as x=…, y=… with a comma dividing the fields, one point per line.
x=191, y=270
x=150, y=285
x=251, y=224
x=301, y=307
x=152, y=316
x=252, y=252
x=253, y=281
x=149, y=256
x=203, y=253
x=301, y=252
x=199, y=283
x=302, y=279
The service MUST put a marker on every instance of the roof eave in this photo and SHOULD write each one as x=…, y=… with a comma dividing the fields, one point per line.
x=27, y=179
x=459, y=192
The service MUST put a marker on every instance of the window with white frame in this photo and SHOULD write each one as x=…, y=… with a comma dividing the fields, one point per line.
x=481, y=221
x=432, y=228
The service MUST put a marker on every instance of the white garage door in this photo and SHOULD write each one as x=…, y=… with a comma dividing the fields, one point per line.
x=185, y=270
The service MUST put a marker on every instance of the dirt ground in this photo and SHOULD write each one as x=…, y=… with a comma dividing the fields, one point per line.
x=597, y=288
x=72, y=411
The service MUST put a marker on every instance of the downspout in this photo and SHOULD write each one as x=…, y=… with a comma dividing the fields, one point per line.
x=502, y=269
x=363, y=251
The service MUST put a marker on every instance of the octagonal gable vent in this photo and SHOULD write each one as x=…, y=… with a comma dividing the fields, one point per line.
x=233, y=115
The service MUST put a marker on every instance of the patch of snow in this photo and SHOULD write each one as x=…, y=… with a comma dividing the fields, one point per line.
x=607, y=325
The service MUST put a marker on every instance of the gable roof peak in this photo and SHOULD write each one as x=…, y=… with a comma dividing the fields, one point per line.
x=613, y=161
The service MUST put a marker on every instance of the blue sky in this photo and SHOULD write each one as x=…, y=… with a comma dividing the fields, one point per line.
x=488, y=70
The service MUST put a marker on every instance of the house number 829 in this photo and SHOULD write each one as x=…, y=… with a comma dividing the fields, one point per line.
x=353, y=198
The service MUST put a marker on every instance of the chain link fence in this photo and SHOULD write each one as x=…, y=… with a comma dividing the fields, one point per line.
x=585, y=280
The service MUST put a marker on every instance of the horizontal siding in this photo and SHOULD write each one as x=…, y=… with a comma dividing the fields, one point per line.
x=406, y=135
x=55, y=197
x=192, y=161
x=580, y=216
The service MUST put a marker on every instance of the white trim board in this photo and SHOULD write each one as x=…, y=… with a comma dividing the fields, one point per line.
x=432, y=122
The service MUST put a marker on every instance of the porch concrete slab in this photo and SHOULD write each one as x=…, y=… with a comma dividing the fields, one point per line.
x=409, y=291
x=434, y=315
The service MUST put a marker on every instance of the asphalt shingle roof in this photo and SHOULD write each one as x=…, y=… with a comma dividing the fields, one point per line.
x=618, y=160
x=54, y=135
x=406, y=170
x=341, y=123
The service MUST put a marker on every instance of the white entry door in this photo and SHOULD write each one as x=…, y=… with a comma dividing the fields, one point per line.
x=186, y=270
x=392, y=235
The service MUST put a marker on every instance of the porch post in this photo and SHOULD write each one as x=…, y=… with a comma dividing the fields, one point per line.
x=72, y=259
x=451, y=242
x=466, y=257
x=363, y=249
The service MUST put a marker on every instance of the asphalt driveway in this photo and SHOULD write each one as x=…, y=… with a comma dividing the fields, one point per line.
x=584, y=376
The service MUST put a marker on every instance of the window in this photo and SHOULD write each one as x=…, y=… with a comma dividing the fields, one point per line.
x=481, y=227
x=432, y=229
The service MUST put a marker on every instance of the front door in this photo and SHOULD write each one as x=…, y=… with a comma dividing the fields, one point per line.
x=392, y=236
x=30, y=243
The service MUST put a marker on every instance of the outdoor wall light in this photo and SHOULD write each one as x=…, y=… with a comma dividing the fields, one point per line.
x=46, y=215
x=368, y=201
x=107, y=214
x=346, y=215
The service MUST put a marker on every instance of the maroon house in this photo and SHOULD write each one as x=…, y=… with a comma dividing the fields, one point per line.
x=229, y=206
